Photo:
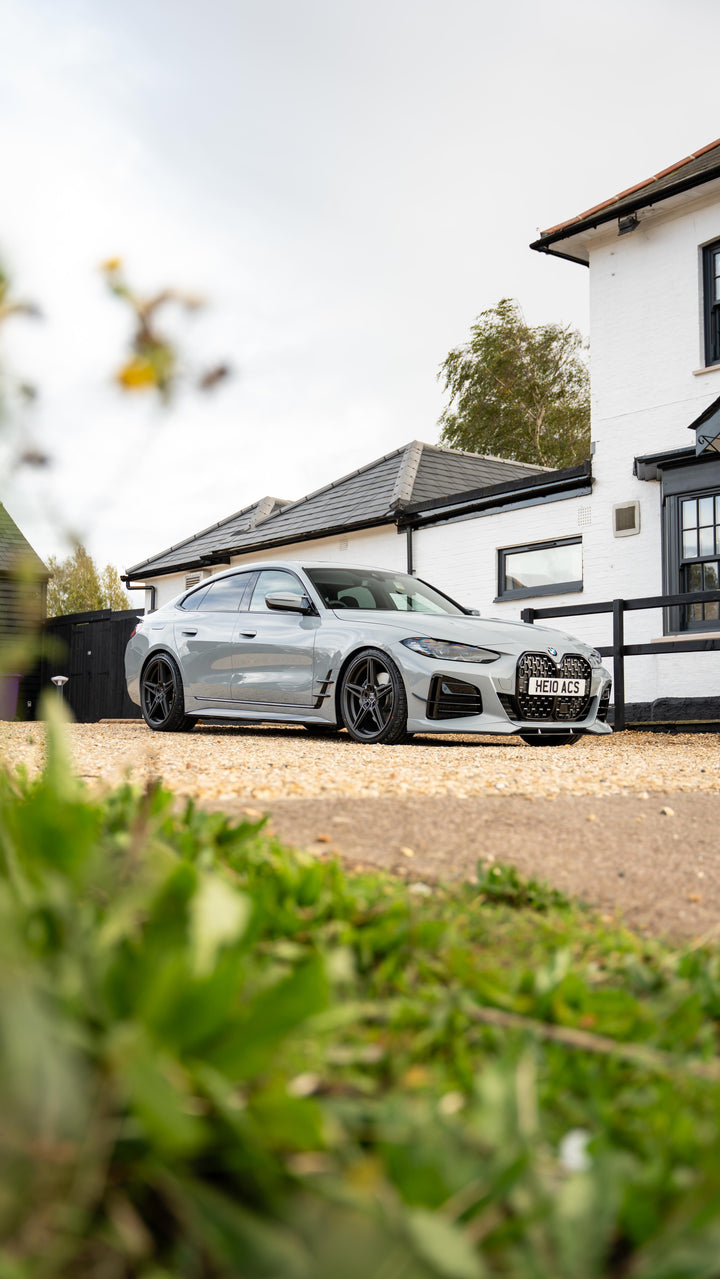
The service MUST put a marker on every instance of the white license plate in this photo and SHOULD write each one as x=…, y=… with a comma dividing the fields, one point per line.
x=542, y=686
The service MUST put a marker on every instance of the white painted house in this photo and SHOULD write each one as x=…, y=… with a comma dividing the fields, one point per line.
x=642, y=519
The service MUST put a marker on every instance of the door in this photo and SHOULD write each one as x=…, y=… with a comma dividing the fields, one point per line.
x=274, y=652
x=204, y=639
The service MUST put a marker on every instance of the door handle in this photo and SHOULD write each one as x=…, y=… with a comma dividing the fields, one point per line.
x=248, y=634
x=188, y=632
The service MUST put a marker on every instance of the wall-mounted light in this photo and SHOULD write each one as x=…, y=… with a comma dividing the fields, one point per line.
x=626, y=225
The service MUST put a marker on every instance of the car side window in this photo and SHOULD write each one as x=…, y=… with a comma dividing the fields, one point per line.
x=223, y=596
x=271, y=580
x=194, y=599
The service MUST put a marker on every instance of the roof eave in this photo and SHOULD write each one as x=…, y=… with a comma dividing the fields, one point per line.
x=640, y=200
x=222, y=557
x=546, y=480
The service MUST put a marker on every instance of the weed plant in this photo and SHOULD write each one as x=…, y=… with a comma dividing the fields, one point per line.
x=221, y=1058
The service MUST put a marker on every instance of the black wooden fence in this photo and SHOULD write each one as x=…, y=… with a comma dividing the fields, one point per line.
x=619, y=650
x=89, y=648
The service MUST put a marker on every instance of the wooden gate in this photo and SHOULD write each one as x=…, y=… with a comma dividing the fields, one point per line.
x=90, y=649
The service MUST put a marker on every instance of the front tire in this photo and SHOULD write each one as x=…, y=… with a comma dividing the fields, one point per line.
x=552, y=739
x=162, y=699
x=373, y=702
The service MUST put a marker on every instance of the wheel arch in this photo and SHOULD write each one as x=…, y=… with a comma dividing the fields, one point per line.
x=347, y=659
x=161, y=650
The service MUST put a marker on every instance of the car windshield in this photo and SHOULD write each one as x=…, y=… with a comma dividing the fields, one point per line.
x=342, y=588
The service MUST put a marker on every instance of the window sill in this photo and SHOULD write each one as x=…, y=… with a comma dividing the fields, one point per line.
x=566, y=588
x=709, y=368
x=686, y=635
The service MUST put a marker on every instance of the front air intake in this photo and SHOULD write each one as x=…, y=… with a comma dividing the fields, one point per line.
x=453, y=699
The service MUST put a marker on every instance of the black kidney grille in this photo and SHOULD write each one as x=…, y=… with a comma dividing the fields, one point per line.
x=554, y=708
x=452, y=699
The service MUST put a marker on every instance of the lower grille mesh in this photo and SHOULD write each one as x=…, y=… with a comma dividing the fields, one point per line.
x=453, y=699
x=559, y=709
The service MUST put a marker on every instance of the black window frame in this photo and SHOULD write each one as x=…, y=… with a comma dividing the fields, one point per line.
x=711, y=307
x=531, y=592
x=678, y=620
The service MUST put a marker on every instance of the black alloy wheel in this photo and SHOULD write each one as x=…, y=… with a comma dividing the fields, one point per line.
x=372, y=699
x=551, y=739
x=161, y=696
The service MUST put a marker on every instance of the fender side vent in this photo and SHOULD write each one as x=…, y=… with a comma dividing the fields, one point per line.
x=452, y=699
x=604, y=704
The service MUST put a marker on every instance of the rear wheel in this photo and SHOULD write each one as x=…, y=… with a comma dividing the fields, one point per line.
x=161, y=696
x=551, y=739
x=372, y=699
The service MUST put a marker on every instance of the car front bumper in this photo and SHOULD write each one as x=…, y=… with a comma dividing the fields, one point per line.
x=496, y=682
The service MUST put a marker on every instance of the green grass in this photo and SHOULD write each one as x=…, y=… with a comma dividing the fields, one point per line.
x=219, y=1057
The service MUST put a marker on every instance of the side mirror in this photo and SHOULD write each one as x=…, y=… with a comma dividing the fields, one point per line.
x=286, y=602
x=474, y=612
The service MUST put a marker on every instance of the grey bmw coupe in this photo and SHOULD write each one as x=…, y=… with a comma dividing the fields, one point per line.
x=381, y=654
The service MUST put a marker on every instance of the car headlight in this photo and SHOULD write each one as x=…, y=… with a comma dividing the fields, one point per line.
x=449, y=651
x=595, y=658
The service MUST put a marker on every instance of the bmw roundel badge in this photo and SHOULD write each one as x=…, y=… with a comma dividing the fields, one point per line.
x=552, y=652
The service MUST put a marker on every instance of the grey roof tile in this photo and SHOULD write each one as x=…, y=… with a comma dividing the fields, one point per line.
x=369, y=496
x=444, y=471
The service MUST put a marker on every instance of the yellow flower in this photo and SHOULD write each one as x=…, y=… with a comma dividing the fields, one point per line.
x=137, y=375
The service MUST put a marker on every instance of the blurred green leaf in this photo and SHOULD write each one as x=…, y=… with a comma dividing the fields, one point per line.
x=219, y=915
x=247, y=1047
x=444, y=1246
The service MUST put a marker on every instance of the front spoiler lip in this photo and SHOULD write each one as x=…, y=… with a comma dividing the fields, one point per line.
x=503, y=727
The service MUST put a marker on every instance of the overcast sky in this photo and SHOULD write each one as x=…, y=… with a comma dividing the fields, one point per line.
x=348, y=184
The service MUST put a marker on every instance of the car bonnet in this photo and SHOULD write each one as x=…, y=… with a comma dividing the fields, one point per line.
x=486, y=632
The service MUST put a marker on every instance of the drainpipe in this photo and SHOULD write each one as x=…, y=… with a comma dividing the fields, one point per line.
x=151, y=589
x=410, y=566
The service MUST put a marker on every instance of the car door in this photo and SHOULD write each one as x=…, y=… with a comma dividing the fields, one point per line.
x=274, y=652
x=205, y=638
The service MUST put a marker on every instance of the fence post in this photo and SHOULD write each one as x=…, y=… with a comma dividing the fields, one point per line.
x=618, y=615
x=527, y=615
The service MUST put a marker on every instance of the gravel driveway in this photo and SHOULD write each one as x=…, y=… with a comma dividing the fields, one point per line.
x=629, y=823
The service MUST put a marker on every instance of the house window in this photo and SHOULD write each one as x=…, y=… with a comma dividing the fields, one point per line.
x=700, y=557
x=543, y=568
x=711, y=288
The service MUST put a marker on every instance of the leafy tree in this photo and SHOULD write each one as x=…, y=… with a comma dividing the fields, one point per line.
x=518, y=392
x=77, y=586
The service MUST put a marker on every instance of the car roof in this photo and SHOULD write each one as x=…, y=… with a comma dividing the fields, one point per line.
x=304, y=565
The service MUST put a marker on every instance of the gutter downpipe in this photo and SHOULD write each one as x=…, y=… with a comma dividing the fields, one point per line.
x=150, y=588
